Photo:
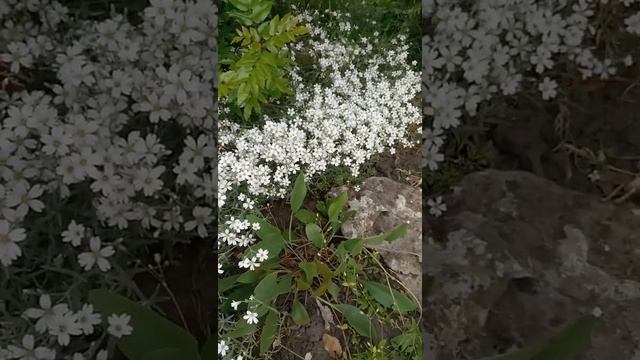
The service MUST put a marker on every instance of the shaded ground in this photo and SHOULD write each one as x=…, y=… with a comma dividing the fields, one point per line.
x=563, y=143
x=597, y=130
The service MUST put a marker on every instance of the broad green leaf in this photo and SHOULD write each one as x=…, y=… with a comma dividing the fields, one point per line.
x=284, y=284
x=379, y=292
x=209, y=350
x=324, y=272
x=305, y=216
x=248, y=277
x=227, y=283
x=353, y=246
x=267, y=288
x=356, y=318
x=333, y=290
x=269, y=332
x=388, y=297
x=336, y=206
x=314, y=233
x=166, y=354
x=242, y=329
x=570, y=342
x=298, y=194
x=309, y=270
x=151, y=330
x=299, y=313
x=267, y=232
x=394, y=234
x=403, y=302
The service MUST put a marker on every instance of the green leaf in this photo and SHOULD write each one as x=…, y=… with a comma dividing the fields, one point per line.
x=314, y=233
x=227, y=283
x=298, y=194
x=356, y=318
x=336, y=206
x=353, y=246
x=209, y=350
x=333, y=290
x=324, y=272
x=388, y=297
x=242, y=329
x=309, y=270
x=267, y=289
x=379, y=292
x=151, y=331
x=299, y=313
x=269, y=332
x=394, y=234
x=267, y=232
x=305, y=216
x=165, y=354
x=248, y=277
x=573, y=339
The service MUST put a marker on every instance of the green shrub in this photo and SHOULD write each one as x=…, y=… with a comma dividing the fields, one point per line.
x=253, y=59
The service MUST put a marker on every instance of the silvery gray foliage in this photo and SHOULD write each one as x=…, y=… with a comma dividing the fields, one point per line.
x=111, y=143
x=473, y=51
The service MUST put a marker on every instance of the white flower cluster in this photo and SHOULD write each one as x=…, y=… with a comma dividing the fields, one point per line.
x=114, y=136
x=475, y=50
x=59, y=322
x=361, y=111
x=364, y=103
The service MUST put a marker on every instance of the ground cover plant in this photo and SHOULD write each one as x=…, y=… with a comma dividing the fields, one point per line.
x=106, y=159
x=516, y=88
x=345, y=89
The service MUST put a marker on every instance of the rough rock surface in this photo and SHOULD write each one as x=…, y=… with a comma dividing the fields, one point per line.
x=516, y=256
x=380, y=205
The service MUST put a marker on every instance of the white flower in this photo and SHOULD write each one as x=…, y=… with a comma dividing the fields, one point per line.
x=74, y=233
x=222, y=348
x=202, y=217
x=46, y=313
x=9, y=237
x=436, y=206
x=548, y=88
x=102, y=355
x=18, y=55
x=220, y=271
x=251, y=317
x=119, y=325
x=148, y=180
x=63, y=326
x=29, y=351
x=235, y=304
x=251, y=264
x=97, y=255
x=87, y=319
x=262, y=254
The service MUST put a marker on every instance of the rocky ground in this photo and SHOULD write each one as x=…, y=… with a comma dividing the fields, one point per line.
x=540, y=239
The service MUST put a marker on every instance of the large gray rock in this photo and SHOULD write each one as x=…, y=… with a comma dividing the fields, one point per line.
x=516, y=256
x=381, y=204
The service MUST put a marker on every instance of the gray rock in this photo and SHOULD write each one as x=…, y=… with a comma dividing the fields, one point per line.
x=517, y=256
x=381, y=204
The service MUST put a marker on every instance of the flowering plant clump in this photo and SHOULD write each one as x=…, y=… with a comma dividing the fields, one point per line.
x=474, y=51
x=106, y=147
x=353, y=99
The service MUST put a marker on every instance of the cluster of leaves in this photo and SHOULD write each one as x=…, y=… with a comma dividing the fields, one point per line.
x=304, y=271
x=253, y=62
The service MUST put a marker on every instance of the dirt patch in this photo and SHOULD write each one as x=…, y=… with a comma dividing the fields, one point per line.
x=192, y=286
x=560, y=143
x=403, y=166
